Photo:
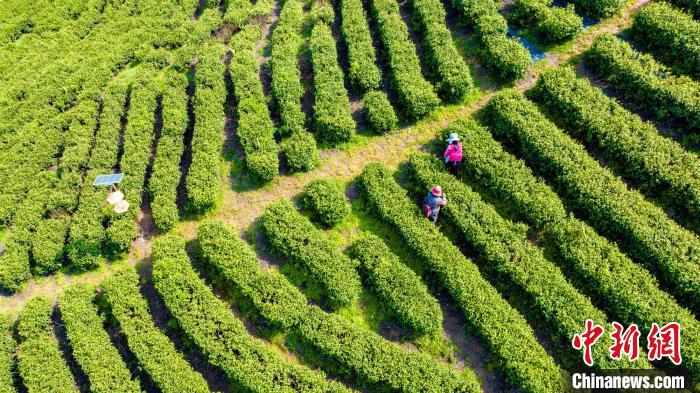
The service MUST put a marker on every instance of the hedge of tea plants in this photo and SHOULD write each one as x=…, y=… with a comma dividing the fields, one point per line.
x=202, y=181
x=333, y=122
x=327, y=201
x=295, y=238
x=416, y=95
x=48, y=246
x=498, y=240
x=504, y=331
x=237, y=12
x=379, y=113
x=155, y=353
x=287, y=90
x=640, y=228
x=222, y=338
x=139, y=136
x=15, y=267
x=363, y=72
x=549, y=24
x=346, y=349
x=447, y=69
x=503, y=57
x=644, y=82
x=397, y=286
x=298, y=145
x=598, y=9
x=621, y=287
x=255, y=128
x=691, y=6
x=91, y=345
x=39, y=359
x=669, y=34
x=657, y=164
x=165, y=176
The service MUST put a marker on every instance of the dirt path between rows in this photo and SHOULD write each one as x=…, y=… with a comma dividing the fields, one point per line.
x=240, y=209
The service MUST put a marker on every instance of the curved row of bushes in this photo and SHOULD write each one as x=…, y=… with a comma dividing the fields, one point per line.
x=221, y=337
x=640, y=228
x=670, y=35
x=398, y=287
x=39, y=359
x=165, y=175
x=447, y=69
x=155, y=353
x=91, y=345
x=549, y=24
x=7, y=355
x=346, y=349
x=203, y=182
x=255, y=128
x=509, y=255
x=622, y=288
x=87, y=235
x=639, y=79
x=658, y=164
x=327, y=202
x=504, y=331
x=333, y=122
x=505, y=58
x=416, y=95
x=363, y=72
x=294, y=237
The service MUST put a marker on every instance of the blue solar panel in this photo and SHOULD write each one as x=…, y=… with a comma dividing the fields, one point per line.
x=108, y=180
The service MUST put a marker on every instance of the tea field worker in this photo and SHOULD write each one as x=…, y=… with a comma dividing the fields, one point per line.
x=453, y=153
x=433, y=202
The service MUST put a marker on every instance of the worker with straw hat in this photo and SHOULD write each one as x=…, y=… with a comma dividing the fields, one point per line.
x=433, y=202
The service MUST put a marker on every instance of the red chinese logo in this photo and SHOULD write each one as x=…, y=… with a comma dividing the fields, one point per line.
x=662, y=342
x=665, y=342
x=625, y=342
x=586, y=340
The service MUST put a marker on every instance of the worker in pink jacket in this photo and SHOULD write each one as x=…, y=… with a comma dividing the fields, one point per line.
x=453, y=153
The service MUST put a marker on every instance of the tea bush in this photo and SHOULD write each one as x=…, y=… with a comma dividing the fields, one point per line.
x=347, y=349
x=641, y=228
x=154, y=352
x=327, y=201
x=91, y=345
x=294, y=237
x=398, y=287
